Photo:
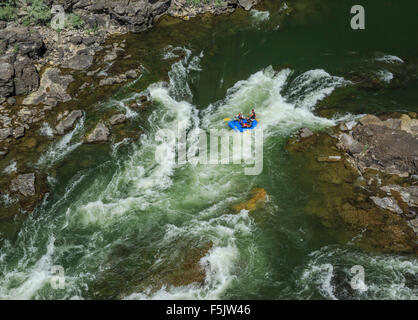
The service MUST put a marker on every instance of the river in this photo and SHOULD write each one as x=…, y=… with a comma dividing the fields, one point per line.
x=123, y=226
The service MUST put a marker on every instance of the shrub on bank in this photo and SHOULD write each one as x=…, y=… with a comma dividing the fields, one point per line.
x=38, y=12
x=8, y=11
x=74, y=21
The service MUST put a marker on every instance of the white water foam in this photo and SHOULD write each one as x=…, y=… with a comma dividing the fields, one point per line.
x=389, y=59
x=259, y=16
x=11, y=167
x=63, y=147
x=140, y=187
x=386, y=276
x=46, y=130
x=385, y=75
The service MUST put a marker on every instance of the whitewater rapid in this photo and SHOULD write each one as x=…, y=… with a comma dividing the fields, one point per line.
x=154, y=206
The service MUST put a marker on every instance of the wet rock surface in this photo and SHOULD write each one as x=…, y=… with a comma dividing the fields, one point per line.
x=44, y=73
x=79, y=62
x=384, y=146
x=117, y=119
x=68, y=122
x=100, y=133
x=368, y=193
x=25, y=184
x=52, y=89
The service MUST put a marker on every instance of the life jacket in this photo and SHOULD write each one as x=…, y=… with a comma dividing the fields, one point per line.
x=252, y=116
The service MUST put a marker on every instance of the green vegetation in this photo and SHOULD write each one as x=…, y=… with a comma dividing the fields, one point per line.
x=74, y=21
x=8, y=11
x=93, y=30
x=198, y=2
x=38, y=12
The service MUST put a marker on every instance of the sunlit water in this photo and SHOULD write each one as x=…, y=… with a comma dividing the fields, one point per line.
x=122, y=222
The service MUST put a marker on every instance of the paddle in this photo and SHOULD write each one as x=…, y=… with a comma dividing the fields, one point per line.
x=227, y=119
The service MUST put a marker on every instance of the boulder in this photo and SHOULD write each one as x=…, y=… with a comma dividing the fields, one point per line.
x=131, y=74
x=18, y=132
x=343, y=127
x=348, y=143
x=3, y=152
x=247, y=4
x=6, y=79
x=68, y=122
x=100, y=134
x=52, y=89
x=117, y=119
x=79, y=62
x=393, y=123
x=27, y=42
x=11, y=101
x=136, y=15
x=305, y=133
x=414, y=224
x=389, y=150
x=112, y=55
x=5, y=133
x=387, y=203
x=370, y=119
x=409, y=195
x=409, y=125
x=26, y=76
x=24, y=183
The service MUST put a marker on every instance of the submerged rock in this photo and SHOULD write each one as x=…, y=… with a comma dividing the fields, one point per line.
x=100, y=133
x=5, y=133
x=387, y=203
x=68, y=122
x=25, y=184
x=117, y=119
x=52, y=89
x=79, y=62
x=6, y=79
x=353, y=201
x=305, y=133
x=258, y=195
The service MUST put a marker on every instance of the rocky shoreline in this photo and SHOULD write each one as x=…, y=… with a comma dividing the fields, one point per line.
x=39, y=67
x=367, y=171
x=367, y=179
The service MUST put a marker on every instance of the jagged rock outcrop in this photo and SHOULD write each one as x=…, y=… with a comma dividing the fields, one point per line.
x=26, y=76
x=100, y=133
x=68, y=122
x=6, y=79
x=117, y=119
x=79, y=62
x=52, y=89
x=390, y=146
x=23, y=41
x=25, y=184
x=370, y=188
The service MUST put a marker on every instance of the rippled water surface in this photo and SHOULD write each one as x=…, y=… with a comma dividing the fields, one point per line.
x=124, y=226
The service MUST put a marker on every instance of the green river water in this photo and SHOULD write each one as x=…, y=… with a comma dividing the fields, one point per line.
x=120, y=224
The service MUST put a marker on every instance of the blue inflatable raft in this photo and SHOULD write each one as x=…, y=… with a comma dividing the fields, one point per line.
x=237, y=127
